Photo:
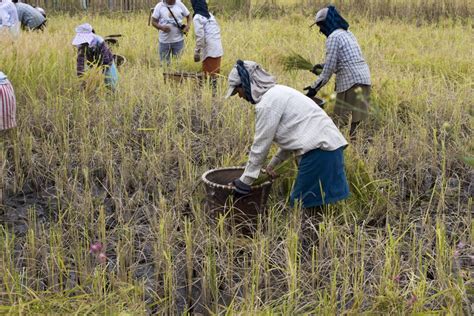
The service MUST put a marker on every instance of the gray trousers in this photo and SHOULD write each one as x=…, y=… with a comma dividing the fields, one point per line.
x=170, y=49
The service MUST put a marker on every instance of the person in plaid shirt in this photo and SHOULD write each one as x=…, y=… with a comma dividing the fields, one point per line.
x=344, y=58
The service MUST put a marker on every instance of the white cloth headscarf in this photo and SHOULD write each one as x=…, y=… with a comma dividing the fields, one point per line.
x=260, y=80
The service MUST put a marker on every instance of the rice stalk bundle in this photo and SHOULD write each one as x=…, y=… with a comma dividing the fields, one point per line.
x=296, y=62
x=281, y=169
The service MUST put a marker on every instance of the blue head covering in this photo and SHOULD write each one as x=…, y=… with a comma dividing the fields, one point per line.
x=200, y=7
x=245, y=79
x=332, y=22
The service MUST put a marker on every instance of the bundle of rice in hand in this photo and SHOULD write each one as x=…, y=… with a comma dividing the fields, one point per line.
x=283, y=168
x=296, y=62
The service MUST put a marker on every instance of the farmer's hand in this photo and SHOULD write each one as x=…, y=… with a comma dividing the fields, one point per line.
x=271, y=172
x=311, y=91
x=186, y=28
x=317, y=69
x=240, y=188
x=165, y=28
x=197, y=55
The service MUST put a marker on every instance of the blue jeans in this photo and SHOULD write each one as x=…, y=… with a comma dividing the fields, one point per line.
x=170, y=49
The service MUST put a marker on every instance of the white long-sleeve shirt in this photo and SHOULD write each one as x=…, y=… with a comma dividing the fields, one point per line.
x=295, y=123
x=208, y=36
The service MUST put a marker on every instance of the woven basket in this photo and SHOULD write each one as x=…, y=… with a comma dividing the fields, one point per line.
x=181, y=77
x=119, y=60
x=219, y=198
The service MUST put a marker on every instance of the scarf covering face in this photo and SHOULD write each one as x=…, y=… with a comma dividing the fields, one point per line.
x=333, y=22
x=200, y=7
x=254, y=79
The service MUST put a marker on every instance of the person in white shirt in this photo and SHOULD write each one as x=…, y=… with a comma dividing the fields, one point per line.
x=167, y=18
x=208, y=39
x=297, y=125
x=9, y=20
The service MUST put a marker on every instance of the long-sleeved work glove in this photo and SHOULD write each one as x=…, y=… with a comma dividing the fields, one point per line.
x=197, y=55
x=311, y=91
x=317, y=69
x=240, y=188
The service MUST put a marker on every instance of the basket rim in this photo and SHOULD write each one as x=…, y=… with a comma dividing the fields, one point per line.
x=183, y=74
x=124, y=59
x=229, y=187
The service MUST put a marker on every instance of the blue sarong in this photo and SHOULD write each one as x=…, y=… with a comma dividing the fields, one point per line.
x=321, y=178
x=111, y=76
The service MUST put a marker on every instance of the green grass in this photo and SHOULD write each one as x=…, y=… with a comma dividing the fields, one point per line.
x=124, y=169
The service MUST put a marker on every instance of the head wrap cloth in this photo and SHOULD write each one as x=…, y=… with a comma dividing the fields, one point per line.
x=200, y=7
x=253, y=79
x=329, y=20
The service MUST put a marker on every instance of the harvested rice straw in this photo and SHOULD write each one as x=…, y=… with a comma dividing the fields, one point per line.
x=282, y=168
x=296, y=62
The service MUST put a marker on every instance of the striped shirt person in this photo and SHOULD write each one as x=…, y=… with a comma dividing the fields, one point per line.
x=7, y=104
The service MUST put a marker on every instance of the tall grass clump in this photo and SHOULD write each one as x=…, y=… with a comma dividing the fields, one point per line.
x=88, y=168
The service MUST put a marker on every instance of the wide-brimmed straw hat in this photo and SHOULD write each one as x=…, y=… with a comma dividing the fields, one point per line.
x=84, y=35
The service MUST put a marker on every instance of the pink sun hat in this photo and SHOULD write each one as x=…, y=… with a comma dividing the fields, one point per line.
x=83, y=35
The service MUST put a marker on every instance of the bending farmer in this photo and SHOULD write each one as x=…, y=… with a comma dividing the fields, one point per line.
x=344, y=58
x=31, y=18
x=290, y=119
x=167, y=19
x=92, y=49
x=208, y=39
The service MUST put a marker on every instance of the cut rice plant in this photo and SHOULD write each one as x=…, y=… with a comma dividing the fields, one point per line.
x=284, y=168
x=295, y=61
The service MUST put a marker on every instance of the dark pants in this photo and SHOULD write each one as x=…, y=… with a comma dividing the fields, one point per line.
x=352, y=104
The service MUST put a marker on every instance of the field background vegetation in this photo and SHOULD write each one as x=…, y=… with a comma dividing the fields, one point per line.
x=124, y=169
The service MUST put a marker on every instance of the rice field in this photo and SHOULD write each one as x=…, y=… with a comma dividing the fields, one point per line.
x=89, y=172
